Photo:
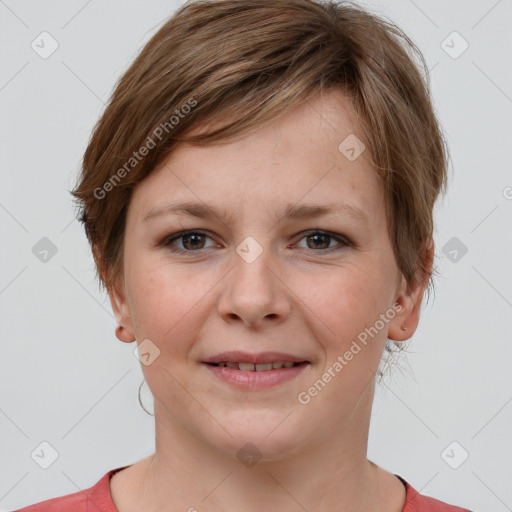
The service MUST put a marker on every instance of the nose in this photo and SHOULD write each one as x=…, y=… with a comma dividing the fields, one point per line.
x=255, y=292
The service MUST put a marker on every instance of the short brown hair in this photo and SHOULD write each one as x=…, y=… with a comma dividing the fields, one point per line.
x=250, y=61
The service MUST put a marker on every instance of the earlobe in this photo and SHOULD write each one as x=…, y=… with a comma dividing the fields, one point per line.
x=123, y=335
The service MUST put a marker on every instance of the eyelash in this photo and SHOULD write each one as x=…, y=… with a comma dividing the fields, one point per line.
x=176, y=236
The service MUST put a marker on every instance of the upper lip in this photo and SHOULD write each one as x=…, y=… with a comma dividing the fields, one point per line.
x=236, y=356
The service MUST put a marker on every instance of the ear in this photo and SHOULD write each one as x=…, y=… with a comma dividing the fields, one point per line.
x=409, y=297
x=120, y=306
x=121, y=309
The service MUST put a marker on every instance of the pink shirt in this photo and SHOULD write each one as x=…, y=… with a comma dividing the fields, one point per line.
x=98, y=499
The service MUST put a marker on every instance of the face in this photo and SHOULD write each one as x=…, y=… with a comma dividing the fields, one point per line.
x=254, y=278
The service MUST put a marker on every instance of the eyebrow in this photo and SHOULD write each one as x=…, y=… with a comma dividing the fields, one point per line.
x=292, y=211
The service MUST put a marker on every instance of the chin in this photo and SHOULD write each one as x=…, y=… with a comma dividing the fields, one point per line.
x=265, y=435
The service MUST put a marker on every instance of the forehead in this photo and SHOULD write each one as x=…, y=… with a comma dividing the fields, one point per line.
x=300, y=157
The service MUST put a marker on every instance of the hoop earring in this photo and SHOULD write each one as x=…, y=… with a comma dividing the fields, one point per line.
x=140, y=401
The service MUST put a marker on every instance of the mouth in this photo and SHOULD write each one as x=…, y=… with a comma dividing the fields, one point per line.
x=256, y=371
x=238, y=357
x=258, y=367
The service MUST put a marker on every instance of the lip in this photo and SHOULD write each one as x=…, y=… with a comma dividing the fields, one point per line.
x=236, y=356
x=254, y=380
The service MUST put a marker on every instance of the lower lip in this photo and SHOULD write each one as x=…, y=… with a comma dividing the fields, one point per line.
x=252, y=380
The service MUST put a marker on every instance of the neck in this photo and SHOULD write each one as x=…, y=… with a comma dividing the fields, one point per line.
x=333, y=474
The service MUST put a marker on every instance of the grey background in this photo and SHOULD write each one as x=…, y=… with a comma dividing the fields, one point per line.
x=66, y=380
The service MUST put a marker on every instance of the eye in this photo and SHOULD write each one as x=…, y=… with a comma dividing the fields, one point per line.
x=191, y=241
x=320, y=240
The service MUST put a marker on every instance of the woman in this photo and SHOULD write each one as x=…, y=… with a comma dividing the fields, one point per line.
x=258, y=196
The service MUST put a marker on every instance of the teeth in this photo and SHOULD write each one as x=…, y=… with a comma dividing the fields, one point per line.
x=260, y=367
x=263, y=367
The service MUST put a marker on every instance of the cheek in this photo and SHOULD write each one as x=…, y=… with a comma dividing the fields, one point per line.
x=343, y=301
x=167, y=303
x=169, y=307
x=349, y=307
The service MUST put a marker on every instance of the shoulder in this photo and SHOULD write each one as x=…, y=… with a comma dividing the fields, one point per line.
x=76, y=502
x=416, y=502
x=94, y=499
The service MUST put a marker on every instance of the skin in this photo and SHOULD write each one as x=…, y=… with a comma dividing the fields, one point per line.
x=296, y=297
